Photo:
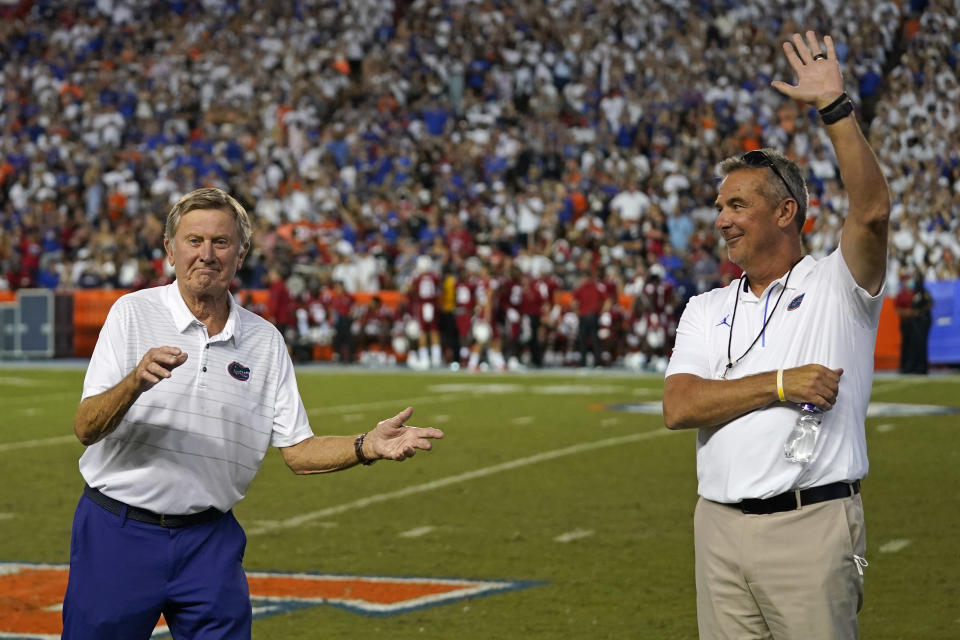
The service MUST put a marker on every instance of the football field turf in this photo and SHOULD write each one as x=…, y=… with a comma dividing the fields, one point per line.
x=557, y=506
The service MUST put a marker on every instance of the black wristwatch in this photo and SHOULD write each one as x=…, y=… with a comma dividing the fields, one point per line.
x=358, y=449
x=837, y=110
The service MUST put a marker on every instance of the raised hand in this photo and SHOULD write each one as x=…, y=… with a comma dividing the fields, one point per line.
x=819, y=80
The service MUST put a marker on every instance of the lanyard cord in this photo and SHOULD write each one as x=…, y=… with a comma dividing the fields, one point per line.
x=730, y=361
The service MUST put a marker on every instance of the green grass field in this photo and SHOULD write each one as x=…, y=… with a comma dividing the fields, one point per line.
x=537, y=480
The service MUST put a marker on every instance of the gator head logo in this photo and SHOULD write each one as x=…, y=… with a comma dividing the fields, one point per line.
x=32, y=596
x=238, y=371
x=795, y=302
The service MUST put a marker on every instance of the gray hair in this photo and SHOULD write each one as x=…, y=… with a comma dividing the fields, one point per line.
x=774, y=189
x=209, y=198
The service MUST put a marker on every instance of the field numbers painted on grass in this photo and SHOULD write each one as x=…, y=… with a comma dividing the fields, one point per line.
x=894, y=545
x=576, y=534
x=33, y=595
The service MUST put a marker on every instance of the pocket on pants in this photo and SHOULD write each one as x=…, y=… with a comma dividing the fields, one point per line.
x=855, y=561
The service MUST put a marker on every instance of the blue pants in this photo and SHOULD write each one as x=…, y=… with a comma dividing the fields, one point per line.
x=124, y=574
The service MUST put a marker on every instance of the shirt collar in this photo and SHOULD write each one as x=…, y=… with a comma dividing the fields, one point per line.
x=183, y=318
x=800, y=272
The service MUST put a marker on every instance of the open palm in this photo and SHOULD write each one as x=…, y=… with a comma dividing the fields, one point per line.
x=819, y=81
x=393, y=440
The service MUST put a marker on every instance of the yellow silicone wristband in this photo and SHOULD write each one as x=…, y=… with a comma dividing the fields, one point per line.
x=782, y=397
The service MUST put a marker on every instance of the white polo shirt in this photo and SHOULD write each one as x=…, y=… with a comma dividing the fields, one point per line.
x=823, y=318
x=196, y=439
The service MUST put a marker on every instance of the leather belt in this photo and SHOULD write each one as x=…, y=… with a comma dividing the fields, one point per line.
x=142, y=515
x=793, y=500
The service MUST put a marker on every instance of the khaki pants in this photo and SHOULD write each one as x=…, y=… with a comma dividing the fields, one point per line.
x=794, y=575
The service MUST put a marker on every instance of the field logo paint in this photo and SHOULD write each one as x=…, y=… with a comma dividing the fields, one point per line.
x=33, y=595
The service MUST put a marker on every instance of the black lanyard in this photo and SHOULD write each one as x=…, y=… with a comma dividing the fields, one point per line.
x=743, y=285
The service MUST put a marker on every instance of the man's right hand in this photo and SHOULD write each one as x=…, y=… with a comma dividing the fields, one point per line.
x=812, y=383
x=156, y=365
x=98, y=415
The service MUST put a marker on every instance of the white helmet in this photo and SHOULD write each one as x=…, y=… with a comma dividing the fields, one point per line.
x=412, y=329
x=399, y=344
x=481, y=331
x=424, y=264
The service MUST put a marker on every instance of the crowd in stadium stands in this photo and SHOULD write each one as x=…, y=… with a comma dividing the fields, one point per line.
x=536, y=177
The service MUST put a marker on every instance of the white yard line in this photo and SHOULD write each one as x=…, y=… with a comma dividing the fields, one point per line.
x=576, y=534
x=32, y=444
x=16, y=381
x=416, y=533
x=348, y=409
x=886, y=386
x=45, y=398
x=894, y=545
x=304, y=518
x=399, y=404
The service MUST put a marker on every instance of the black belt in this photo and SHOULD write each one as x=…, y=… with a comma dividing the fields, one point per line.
x=793, y=500
x=142, y=515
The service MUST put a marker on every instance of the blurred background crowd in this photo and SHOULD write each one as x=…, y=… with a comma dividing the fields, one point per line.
x=536, y=178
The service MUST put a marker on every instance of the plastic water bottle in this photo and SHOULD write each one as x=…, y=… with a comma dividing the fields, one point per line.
x=803, y=439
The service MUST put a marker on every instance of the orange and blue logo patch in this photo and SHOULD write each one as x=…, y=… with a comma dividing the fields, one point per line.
x=238, y=371
x=32, y=595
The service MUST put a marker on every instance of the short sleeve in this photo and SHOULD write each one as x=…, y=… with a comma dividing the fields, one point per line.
x=106, y=368
x=690, y=353
x=865, y=307
x=290, y=423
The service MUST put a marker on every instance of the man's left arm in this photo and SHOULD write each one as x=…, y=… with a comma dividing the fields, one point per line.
x=390, y=440
x=863, y=242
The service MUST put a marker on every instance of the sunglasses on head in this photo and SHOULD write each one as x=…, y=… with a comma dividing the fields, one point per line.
x=760, y=159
